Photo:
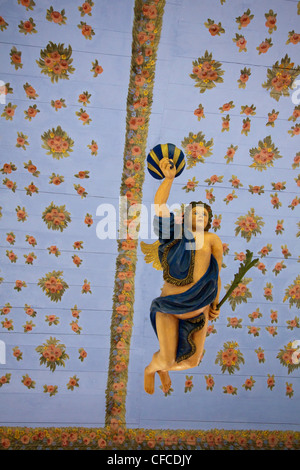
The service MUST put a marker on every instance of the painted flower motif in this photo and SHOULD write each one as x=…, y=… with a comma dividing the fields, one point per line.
x=53, y=285
x=235, y=182
x=88, y=220
x=279, y=227
x=188, y=386
x=28, y=4
x=294, y=203
x=27, y=27
x=278, y=267
x=21, y=214
x=17, y=353
x=264, y=46
x=31, y=112
x=281, y=77
x=86, y=287
x=289, y=356
x=76, y=260
x=255, y=314
x=56, y=179
x=96, y=68
x=264, y=154
x=53, y=250
x=225, y=123
x=207, y=72
x=86, y=30
x=240, y=42
x=260, y=355
x=294, y=130
x=245, y=73
x=73, y=382
x=234, y=322
x=80, y=190
x=230, y=197
x=249, y=383
x=16, y=58
x=265, y=250
x=58, y=104
x=27, y=381
x=191, y=185
x=296, y=162
x=51, y=389
x=30, y=258
x=93, y=146
x=249, y=225
x=240, y=294
x=31, y=168
x=253, y=330
x=271, y=381
x=199, y=112
x=272, y=116
x=11, y=238
x=292, y=293
x=230, y=357
x=84, y=97
x=268, y=291
x=196, y=148
x=3, y=24
x=289, y=390
x=246, y=127
x=31, y=240
x=275, y=201
x=214, y=179
x=29, y=311
x=216, y=222
x=86, y=8
x=230, y=390
x=57, y=143
x=210, y=383
x=7, y=324
x=245, y=19
x=83, y=116
x=55, y=16
x=294, y=323
x=271, y=20
x=56, y=217
x=214, y=28
x=55, y=61
x=5, y=89
x=82, y=354
x=210, y=196
x=9, y=111
x=12, y=185
x=22, y=141
x=230, y=153
x=52, y=353
x=256, y=189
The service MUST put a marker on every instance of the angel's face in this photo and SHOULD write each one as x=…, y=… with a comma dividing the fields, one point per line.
x=198, y=218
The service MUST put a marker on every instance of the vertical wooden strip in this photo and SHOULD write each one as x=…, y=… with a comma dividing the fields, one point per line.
x=147, y=24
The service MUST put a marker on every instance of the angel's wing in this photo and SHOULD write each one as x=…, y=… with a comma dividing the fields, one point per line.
x=151, y=253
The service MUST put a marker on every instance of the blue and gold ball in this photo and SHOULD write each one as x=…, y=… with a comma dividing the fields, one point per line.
x=175, y=155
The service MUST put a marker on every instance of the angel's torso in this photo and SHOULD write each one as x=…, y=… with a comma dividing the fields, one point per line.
x=201, y=264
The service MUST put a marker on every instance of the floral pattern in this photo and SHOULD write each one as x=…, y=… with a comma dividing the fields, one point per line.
x=40, y=236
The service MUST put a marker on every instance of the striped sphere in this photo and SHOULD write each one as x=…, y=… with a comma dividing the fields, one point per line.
x=164, y=150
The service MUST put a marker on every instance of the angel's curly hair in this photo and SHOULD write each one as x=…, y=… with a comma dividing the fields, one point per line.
x=206, y=206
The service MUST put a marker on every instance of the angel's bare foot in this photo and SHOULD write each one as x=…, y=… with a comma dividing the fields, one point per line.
x=149, y=380
x=165, y=380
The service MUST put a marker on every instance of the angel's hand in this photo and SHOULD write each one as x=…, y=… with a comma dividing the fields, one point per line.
x=167, y=169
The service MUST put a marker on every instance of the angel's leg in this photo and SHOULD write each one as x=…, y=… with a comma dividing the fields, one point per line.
x=164, y=359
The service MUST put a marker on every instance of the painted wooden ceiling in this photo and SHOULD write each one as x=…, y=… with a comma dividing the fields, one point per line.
x=87, y=89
